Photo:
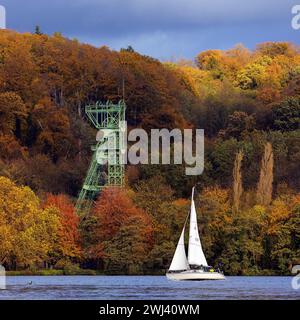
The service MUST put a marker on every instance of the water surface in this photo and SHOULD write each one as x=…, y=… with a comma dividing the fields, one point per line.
x=146, y=287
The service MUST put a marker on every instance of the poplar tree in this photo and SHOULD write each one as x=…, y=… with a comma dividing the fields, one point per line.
x=265, y=184
x=237, y=181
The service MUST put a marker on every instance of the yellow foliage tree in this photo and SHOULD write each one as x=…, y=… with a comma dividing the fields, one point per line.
x=28, y=233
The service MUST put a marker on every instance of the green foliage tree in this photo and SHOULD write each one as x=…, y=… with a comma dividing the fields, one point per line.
x=286, y=115
x=239, y=124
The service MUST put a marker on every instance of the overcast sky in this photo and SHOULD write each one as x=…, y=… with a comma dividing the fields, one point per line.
x=161, y=28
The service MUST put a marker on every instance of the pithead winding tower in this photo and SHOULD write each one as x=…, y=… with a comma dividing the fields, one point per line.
x=109, y=119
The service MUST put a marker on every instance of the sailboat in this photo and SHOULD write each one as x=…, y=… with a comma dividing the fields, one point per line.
x=195, y=266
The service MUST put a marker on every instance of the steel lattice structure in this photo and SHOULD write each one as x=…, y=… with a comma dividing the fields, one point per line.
x=108, y=118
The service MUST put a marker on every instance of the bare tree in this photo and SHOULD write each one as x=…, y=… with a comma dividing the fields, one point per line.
x=237, y=181
x=265, y=184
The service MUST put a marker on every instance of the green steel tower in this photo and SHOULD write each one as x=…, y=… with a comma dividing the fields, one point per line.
x=109, y=119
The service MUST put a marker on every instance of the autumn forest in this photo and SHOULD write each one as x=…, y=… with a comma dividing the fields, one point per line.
x=248, y=197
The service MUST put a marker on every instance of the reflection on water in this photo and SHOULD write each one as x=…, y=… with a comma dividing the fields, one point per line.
x=146, y=287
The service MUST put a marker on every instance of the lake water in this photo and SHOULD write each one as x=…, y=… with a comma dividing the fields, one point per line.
x=146, y=287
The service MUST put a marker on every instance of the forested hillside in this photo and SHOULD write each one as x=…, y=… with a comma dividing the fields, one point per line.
x=248, y=197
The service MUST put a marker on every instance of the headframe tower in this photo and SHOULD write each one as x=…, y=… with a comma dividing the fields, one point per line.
x=109, y=119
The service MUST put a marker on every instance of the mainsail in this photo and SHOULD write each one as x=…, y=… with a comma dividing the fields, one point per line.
x=195, y=252
x=179, y=261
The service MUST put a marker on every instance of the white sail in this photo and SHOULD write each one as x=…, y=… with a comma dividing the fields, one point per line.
x=179, y=261
x=195, y=252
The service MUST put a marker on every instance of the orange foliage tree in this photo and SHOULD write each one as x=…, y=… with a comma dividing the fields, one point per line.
x=68, y=246
x=122, y=233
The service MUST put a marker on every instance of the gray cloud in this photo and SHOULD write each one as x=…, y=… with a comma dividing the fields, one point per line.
x=152, y=24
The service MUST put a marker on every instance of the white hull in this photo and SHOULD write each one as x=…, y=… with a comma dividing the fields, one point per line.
x=195, y=275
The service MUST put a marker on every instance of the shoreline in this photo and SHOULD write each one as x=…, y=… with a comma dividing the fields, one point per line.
x=52, y=273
